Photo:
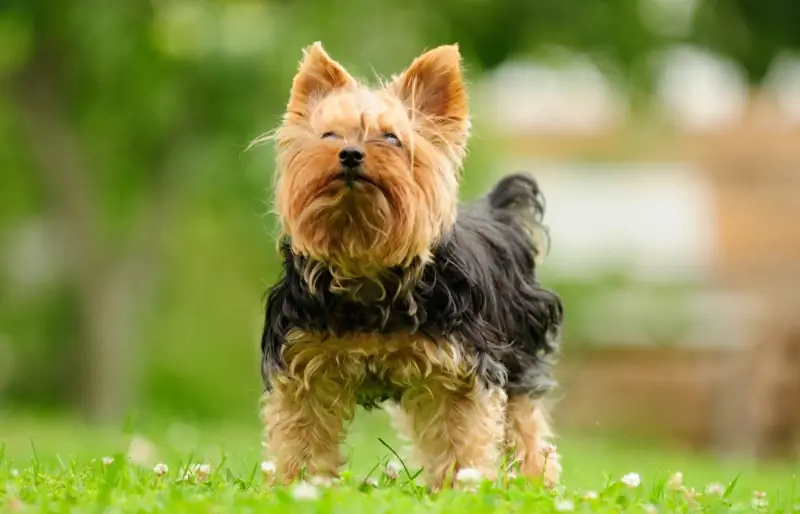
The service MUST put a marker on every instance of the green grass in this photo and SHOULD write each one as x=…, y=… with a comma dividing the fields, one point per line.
x=56, y=465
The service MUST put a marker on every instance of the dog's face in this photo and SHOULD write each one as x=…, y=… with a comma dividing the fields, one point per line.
x=367, y=178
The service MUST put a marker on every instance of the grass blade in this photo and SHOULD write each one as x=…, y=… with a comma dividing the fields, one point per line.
x=731, y=487
x=402, y=463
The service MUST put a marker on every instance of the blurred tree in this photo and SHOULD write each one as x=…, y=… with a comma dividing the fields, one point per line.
x=120, y=120
x=750, y=32
x=109, y=198
x=113, y=127
x=622, y=32
x=492, y=31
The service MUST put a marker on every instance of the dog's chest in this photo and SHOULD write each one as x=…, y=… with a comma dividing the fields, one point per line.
x=382, y=365
x=376, y=367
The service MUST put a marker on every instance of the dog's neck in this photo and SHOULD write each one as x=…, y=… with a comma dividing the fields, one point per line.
x=366, y=285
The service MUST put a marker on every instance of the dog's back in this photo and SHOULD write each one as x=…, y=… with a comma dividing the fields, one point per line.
x=496, y=244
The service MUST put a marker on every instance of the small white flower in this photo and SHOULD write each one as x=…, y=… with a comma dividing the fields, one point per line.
x=107, y=461
x=689, y=493
x=160, y=469
x=200, y=471
x=321, y=481
x=759, y=500
x=268, y=468
x=649, y=508
x=548, y=449
x=371, y=482
x=675, y=481
x=14, y=473
x=304, y=491
x=392, y=470
x=590, y=495
x=632, y=480
x=715, y=489
x=469, y=476
x=564, y=506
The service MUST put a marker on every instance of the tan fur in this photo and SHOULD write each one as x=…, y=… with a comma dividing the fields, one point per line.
x=451, y=419
x=398, y=218
x=303, y=415
x=393, y=219
x=303, y=426
x=451, y=427
x=528, y=434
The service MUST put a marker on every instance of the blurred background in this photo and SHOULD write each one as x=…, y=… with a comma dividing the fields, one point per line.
x=136, y=241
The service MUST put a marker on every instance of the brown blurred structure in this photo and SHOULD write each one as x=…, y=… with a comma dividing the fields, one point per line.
x=740, y=398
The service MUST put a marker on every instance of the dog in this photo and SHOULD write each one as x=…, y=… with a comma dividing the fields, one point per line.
x=394, y=294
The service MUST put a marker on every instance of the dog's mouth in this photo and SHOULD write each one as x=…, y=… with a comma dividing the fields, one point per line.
x=351, y=178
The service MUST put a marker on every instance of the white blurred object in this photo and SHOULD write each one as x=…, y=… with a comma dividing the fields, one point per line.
x=31, y=258
x=303, y=491
x=783, y=84
x=699, y=90
x=656, y=221
x=535, y=97
x=141, y=451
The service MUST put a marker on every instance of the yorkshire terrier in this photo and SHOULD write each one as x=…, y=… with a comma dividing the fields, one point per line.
x=394, y=294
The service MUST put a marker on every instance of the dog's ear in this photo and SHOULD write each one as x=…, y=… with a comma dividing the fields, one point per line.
x=318, y=76
x=433, y=87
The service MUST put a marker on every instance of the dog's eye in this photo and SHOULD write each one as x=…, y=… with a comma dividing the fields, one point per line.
x=392, y=138
x=329, y=135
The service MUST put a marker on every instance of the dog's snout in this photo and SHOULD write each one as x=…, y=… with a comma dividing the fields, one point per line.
x=351, y=157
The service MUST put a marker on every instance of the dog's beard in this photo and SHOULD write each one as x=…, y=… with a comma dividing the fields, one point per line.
x=361, y=228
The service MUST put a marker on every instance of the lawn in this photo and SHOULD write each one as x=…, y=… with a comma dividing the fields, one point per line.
x=56, y=465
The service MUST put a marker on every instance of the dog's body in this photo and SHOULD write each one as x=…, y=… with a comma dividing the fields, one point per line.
x=479, y=293
x=439, y=315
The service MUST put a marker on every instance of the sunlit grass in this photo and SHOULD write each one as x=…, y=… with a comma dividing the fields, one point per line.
x=54, y=465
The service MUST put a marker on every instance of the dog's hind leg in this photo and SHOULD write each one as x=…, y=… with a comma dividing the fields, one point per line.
x=528, y=436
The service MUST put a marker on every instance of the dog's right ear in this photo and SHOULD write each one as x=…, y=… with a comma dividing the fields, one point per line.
x=318, y=76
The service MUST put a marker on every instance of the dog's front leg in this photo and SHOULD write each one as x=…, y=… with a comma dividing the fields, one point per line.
x=303, y=425
x=454, y=425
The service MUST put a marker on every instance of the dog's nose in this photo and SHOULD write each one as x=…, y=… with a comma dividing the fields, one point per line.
x=351, y=157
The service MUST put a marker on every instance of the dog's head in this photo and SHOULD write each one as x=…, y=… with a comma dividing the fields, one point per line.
x=367, y=177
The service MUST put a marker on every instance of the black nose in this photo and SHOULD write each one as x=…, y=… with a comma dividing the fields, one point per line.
x=351, y=157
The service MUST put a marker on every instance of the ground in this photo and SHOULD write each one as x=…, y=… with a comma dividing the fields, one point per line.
x=55, y=465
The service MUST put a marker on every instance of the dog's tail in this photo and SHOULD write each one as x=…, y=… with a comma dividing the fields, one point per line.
x=517, y=198
x=520, y=193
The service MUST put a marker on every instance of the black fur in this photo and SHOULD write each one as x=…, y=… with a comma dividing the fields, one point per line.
x=480, y=290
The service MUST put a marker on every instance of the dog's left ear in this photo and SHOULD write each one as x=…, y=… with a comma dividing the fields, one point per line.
x=318, y=76
x=433, y=87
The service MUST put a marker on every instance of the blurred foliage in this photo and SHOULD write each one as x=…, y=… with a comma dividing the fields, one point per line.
x=751, y=32
x=129, y=211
